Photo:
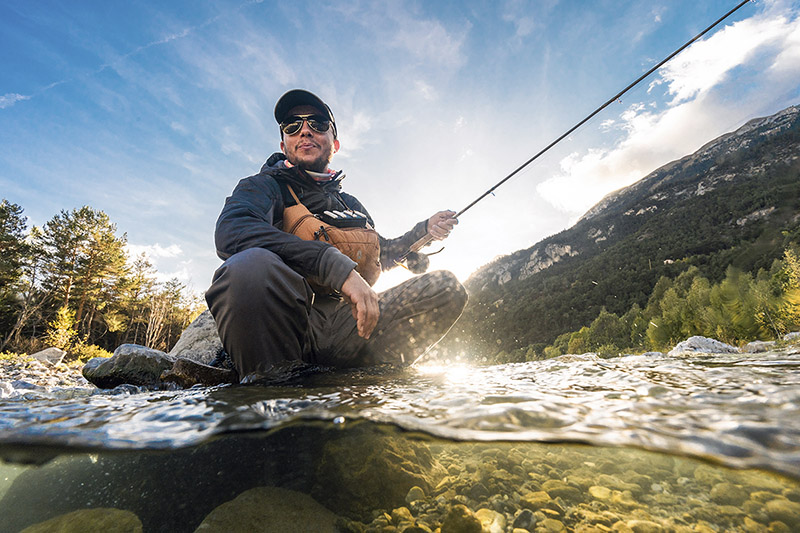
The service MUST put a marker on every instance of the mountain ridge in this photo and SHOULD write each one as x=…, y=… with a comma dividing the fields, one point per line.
x=726, y=203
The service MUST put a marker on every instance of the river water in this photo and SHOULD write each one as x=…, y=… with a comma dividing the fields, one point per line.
x=647, y=443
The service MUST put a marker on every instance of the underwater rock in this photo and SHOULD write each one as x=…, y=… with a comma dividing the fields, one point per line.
x=414, y=494
x=701, y=345
x=556, y=488
x=269, y=510
x=131, y=364
x=784, y=511
x=199, y=341
x=461, y=520
x=373, y=471
x=535, y=500
x=728, y=494
x=50, y=355
x=491, y=521
x=102, y=519
x=644, y=526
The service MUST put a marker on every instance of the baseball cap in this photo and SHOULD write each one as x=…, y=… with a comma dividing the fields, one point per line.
x=298, y=97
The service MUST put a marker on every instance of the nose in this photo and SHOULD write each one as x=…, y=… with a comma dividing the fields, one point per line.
x=305, y=129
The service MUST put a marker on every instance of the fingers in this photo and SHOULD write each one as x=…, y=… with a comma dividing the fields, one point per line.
x=441, y=224
x=368, y=314
x=363, y=302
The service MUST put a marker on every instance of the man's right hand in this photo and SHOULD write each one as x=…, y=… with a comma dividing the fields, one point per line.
x=364, y=303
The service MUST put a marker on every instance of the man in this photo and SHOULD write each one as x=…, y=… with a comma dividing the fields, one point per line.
x=280, y=301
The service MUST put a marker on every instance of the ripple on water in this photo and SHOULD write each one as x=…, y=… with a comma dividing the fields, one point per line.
x=743, y=411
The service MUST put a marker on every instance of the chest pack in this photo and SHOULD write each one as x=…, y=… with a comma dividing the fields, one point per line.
x=348, y=231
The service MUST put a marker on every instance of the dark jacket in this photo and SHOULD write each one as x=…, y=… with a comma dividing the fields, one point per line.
x=253, y=217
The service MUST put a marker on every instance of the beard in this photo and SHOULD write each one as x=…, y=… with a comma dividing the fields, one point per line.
x=320, y=164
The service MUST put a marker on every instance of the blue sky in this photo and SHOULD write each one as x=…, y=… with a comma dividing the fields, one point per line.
x=152, y=111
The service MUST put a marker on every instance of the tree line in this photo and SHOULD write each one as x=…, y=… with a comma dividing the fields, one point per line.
x=71, y=284
x=742, y=307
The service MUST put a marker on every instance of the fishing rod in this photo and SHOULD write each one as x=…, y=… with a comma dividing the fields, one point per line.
x=424, y=241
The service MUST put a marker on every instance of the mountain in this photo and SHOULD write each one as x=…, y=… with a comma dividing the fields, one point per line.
x=736, y=201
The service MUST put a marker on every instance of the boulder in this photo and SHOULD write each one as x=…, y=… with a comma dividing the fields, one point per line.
x=200, y=341
x=699, y=344
x=270, y=510
x=791, y=336
x=50, y=355
x=187, y=373
x=131, y=364
x=758, y=346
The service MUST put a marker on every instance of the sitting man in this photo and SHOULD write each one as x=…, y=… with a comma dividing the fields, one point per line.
x=280, y=300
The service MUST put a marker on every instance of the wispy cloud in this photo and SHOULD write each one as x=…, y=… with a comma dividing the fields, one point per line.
x=701, y=105
x=9, y=99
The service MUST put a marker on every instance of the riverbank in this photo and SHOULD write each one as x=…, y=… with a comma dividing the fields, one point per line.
x=40, y=374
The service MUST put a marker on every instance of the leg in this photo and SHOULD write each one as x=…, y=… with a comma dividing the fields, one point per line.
x=261, y=307
x=415, y=315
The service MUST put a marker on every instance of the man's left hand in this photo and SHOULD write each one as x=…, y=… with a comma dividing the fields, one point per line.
x=441, y=224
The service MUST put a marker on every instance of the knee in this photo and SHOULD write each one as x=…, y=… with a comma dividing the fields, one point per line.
x=451, y=287
x=247, y=275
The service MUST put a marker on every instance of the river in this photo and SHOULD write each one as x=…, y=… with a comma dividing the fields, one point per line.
x=689, y=443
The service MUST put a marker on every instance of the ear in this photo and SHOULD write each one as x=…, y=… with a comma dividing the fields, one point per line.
x=283, y=148
x=335, y=145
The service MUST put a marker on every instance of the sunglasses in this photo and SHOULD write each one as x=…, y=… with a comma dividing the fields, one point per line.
x=294, y=124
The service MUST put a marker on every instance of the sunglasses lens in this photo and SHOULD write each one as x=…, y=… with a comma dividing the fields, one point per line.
x=319, y=125
x=292, y=127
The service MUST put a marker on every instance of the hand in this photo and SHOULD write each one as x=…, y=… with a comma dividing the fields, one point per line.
x=441, y=224
x=363, y=302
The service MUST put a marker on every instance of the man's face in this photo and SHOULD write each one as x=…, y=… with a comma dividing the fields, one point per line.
x=309, y=149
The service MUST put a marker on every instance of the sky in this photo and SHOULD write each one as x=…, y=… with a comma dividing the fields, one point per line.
x=152, y=111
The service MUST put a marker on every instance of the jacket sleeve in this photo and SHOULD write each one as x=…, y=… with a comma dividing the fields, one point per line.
x=248, y=221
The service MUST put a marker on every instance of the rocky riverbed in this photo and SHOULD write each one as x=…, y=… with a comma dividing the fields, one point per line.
x=25, y=372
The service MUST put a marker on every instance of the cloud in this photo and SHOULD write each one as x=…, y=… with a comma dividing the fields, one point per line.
x=742, y=71
x=154, y=251
x=9, y=99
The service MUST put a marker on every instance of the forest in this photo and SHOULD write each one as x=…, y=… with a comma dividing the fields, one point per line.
x=740, y=308
x=71, y=284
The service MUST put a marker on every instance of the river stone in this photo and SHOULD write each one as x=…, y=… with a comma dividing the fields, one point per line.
x=50, y=355
x=131, y=364
x=102, y=519
x=491, y=521
x=460, y=519
x=188, y=373
x=372, y=471
x=698, y=344
x=758, y=346
x=728, y=494
x=558, y=489
x=269, y=510
x=535, y=500
x=791, y=336
x=200, y=341
x=644, y=526
x=784, y=511
x=415, y=494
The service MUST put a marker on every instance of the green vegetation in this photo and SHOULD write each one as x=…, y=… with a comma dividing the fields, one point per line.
x=70, y=284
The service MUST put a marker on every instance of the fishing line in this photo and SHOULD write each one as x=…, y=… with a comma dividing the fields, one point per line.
x=427, y=239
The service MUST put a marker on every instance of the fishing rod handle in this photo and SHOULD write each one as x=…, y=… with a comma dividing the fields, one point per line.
x=421, y=243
